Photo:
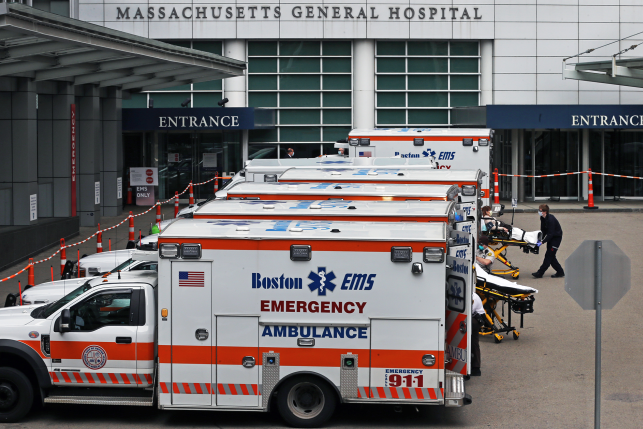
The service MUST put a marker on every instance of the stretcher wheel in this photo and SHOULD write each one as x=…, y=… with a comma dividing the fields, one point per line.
x=516, y=335
x=497, y=338
x=516, y=275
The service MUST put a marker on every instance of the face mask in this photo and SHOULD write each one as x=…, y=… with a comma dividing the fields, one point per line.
x=540, y=213
x=480, y=246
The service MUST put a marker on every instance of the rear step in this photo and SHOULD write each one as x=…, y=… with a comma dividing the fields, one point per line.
x=100, y=400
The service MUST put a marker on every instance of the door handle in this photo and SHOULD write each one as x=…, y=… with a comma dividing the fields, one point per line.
x=123, y=340
x=201, y=334
x=248, y=362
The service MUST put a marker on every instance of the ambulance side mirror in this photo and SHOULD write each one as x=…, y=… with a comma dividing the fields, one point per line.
x=65, y=318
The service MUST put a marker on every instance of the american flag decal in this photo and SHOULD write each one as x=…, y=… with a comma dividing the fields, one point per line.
x=366, y=153
x=191, y=278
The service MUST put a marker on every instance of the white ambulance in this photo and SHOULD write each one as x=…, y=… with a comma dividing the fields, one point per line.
x=297, y=319
x=453, y=148
x=345, y=191
x=469, y=181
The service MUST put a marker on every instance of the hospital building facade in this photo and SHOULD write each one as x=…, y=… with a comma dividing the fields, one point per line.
x=325, y=67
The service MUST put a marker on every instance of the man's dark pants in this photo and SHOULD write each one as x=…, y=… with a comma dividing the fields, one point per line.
x=475, y=343
x=550, y=257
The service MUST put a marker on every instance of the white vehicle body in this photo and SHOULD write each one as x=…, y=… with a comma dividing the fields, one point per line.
x=44, y=293
x=92, y=265
x=346, y=191
x=453, y=148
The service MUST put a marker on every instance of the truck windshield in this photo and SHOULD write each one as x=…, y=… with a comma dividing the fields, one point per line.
x=47, y=310
x=122, y=266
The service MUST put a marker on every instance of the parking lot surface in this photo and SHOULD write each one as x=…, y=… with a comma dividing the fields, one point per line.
x=543, y=380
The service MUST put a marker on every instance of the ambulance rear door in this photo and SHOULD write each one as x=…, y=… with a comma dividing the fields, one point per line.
x=458, y=315
x=192, y=333
x=406, y=359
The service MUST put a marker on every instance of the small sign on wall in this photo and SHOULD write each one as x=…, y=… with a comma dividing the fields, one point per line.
x=33, y=207
x=173, y=157
x=209, y=161
x=145, y=196
x=96, y=192
x=144, y=176
x=119, y=188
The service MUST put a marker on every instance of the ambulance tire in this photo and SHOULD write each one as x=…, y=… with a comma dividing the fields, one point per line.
x=306, y=401
x=16, y=395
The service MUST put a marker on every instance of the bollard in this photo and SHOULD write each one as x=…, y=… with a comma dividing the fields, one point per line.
x=140, y=237
x=63, y=256
x=110, y=244
x=158, y=213
x=30, y=274
x=216, y=183
x=132, y=238
x=99, y=241
x=496, y=192
x=176, y=204
x=52, y=272
x=191, y=195
x=20, y=291
x=590, y=192
x=78, y=264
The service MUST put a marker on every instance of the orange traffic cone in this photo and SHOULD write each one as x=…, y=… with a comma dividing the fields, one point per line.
x=63, y=256
x=496, y=192
x=176, y=204
x=30, y=274
x=590, y=192
x=99, y=241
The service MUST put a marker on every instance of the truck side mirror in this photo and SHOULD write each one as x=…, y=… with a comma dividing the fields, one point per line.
x=65, y=317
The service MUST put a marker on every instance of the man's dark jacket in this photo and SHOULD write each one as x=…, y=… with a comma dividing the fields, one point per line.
x=552, y=232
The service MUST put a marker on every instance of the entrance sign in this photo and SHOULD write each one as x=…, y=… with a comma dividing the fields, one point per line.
x=73, y=160
x=144, y=176
x=593, y=264
x=198, y=119
x=33, y=207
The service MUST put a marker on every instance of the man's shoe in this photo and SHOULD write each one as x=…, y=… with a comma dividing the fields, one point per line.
x=537, y=275
x=475, y=372
x=558, y=275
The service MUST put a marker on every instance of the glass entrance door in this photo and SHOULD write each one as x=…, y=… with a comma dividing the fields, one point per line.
x=556, y=151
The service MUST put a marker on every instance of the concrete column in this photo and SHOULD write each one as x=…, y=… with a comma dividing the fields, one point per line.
x=61, y=148
x=486, y=70
x=89, y=153
x=244, y=147
x=516, y=139
x=234, y=89
x=45, y=155
x=24, y=154
x=6, y=168
x=112, y=166
x=585, y=165
x=521, y=167
x=363, y=84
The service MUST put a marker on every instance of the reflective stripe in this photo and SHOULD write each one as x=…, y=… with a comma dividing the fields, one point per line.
x=97, y=378
x=410, y=393
x=238, y=389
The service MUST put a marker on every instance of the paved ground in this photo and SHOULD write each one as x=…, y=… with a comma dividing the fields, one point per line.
x=543, y=380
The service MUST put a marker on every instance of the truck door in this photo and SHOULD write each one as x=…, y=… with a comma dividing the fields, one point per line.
x=100, y=348
x=192, y=333
x=458, y=314
x=238, y=361
x=398, y=347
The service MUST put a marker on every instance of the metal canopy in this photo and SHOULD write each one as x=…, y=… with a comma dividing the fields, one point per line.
x=48, y=47
x=617, y=72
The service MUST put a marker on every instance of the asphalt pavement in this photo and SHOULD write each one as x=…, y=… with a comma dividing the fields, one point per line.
x=543, y=380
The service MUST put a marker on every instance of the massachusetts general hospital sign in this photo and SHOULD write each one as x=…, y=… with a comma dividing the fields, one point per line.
x=243, y=19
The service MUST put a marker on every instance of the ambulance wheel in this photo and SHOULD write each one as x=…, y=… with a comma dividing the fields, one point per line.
x=306, y=402
x=16, y=395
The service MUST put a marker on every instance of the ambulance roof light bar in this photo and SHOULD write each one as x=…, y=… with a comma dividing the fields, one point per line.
x=169, y=250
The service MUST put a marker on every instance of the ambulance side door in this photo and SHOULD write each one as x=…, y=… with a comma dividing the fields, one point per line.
x=99, y=349
x=458, y=314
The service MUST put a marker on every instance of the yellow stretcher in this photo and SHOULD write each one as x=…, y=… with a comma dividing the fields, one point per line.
x=498, y=243
x=519, y=301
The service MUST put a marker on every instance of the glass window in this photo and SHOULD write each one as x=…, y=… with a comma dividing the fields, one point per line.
x=337, y=116
x=334, y=134
x=299, y=99
x=263, y=151
x=136, y=101
x=596, y=160
x=336, y=48
x=295, y=82
x=299, y=65
x=299, y=116
x=309, y=150
x=206, y=99
x=262, y=48
x=169, y=99
x=299, y=48
x=262, y=99
x=300, y=134
x=262, y=65
x=103, y=309
x=213, y=47
x=263, y=135
x=213, y=85
x=337, y=82
x=337, y=65
x=556, y=152
x=431, y=79
x=262, y=82
x=337, y=99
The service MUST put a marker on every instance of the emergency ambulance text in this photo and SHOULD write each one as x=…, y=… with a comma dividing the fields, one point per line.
x=311, y=306
x=314, y=332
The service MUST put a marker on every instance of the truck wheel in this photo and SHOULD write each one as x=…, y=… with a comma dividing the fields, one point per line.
x=306, y=402
x=16, y=395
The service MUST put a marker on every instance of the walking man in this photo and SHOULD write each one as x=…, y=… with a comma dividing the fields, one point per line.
x=552, y=235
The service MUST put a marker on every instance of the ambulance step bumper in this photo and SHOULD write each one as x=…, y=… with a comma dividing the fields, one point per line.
x=454, y=394
x=101, y=400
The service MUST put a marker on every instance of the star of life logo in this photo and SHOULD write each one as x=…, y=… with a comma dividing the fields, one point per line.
x=94, y=357
x=321, y=281
x=427, y=153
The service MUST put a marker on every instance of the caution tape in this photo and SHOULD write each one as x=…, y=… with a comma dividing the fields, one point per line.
x=618, y=175
x=111, y=227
